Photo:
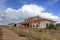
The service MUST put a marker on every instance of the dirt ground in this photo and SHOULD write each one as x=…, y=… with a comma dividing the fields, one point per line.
x=6, y=34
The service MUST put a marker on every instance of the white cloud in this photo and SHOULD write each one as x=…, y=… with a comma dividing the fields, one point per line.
x=49, y=16
x=58, y=21
x=32, y=10
x=25, y=11
x=11, y=13
x=0, y=19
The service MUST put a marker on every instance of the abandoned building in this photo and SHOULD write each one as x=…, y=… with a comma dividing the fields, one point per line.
x=36, y=22
x=12, y=24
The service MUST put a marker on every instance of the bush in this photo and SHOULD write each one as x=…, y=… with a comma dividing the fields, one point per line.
x=52, y=26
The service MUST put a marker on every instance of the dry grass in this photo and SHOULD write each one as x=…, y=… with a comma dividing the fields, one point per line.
x=35, y=35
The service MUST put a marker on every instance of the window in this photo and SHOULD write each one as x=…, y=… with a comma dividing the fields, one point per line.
x=37, y=25
x=33, y=25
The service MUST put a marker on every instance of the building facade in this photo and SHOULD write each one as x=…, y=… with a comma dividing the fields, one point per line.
x=37, y=22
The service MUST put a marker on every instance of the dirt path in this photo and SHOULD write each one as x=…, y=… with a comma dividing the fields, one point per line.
x=6, y=34
x=1, y=34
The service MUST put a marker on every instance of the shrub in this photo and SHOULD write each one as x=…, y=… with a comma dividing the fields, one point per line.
x=52, y=26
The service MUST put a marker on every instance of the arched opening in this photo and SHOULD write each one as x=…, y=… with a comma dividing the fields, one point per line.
x=37, y=25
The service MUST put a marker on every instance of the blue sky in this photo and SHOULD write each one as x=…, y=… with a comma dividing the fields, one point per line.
x=50, y=6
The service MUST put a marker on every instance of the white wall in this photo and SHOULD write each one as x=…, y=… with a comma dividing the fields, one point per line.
x=43, y=24
x=35, y=25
